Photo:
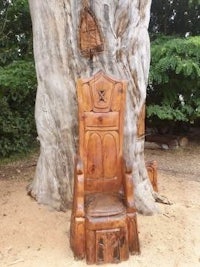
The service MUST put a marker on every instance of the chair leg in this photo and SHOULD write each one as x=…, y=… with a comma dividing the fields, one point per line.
x=134, y=245
x=124, y=246
x=90, y=247
x=77, y=238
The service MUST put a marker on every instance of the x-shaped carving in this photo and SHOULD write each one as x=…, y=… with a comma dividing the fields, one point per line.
x=101, y=94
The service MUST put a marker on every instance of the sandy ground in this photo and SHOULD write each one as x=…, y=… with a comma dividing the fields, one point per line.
x=32, y=235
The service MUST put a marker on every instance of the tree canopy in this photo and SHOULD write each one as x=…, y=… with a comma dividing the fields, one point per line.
x=175, y=17
x=15, y=31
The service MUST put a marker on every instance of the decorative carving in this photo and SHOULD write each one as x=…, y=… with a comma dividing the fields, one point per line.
x=101, y=95
x=103, y=205
x=91, y=41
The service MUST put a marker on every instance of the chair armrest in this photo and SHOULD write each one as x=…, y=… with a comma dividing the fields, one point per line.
x=78, y=195
x=129, y=187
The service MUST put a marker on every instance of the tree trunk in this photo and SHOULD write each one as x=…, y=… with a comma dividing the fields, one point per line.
x=59, y=63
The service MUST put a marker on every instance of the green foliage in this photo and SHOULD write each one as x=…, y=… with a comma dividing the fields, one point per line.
x=17, y=94
x=17, y=78
x=174, y=84
x=166, y=113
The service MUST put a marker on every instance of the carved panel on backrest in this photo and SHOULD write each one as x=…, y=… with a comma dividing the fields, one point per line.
x=101, y=111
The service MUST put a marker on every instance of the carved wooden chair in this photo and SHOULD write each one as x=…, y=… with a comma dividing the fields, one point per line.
x=103, y=221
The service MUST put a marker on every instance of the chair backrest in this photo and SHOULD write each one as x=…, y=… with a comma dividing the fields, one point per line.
x=101, y=101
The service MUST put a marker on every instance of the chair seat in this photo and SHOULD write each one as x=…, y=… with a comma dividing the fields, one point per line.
x=104, y=204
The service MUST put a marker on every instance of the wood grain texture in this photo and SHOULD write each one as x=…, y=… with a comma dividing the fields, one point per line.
x=141, y=122
x=152, y=173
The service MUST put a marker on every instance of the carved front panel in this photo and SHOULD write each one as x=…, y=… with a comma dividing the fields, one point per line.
x=101, y=110
x=111, y=246
x=108, y=246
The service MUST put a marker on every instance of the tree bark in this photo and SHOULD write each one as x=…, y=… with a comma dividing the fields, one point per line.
x=59, y=64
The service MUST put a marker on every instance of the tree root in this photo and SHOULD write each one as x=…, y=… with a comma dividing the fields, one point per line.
x=162, y=199
x=29, y=191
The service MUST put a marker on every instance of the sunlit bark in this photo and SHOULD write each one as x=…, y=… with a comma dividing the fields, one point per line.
x=59, y=64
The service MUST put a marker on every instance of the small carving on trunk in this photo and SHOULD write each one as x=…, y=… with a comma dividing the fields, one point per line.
x=90, y=38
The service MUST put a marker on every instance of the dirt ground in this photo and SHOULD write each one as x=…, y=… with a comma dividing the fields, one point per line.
x=32, y=235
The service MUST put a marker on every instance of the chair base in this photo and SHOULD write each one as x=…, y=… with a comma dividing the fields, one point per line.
x=103, y=243
x=106, y=246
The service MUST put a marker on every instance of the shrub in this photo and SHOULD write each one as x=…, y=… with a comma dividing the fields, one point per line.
x=174, y=85
x=17, y=96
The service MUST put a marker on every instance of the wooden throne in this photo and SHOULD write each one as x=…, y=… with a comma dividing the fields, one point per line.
x=103, y=220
